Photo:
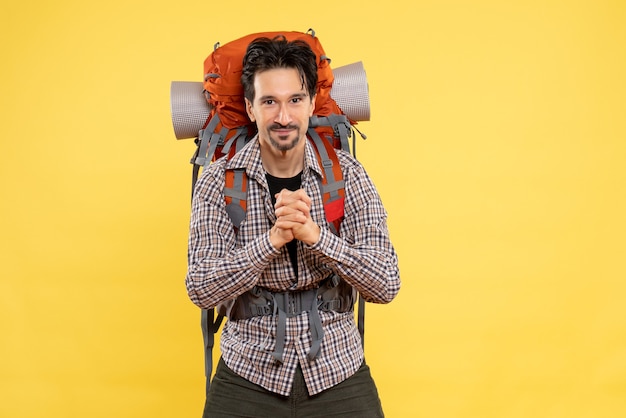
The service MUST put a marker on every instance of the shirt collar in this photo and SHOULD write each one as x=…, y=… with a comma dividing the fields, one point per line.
x=249, y=157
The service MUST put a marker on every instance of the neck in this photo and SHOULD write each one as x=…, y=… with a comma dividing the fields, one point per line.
x=283, y=164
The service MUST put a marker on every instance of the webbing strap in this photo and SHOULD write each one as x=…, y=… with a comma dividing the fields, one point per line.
x=317, y=333
x=286, y=305
x=281, y=328
x=332, y=184
x=340, y=124
x=209, y=324
x=361, y=320
x=238, y=138
x=236, y=182
x=236, y=190
x=208, y=142
x=341, y=128
x=235, y=195
x=327, y=158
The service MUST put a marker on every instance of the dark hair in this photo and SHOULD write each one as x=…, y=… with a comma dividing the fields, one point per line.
x=266, y=54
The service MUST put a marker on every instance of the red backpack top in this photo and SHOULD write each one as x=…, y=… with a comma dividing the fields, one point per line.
x=222, y=73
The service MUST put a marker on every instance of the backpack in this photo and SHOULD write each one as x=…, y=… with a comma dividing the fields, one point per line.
x=227, y=129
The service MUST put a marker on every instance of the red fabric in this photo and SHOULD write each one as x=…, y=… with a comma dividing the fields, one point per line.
x=226, y=91
x=334, y=210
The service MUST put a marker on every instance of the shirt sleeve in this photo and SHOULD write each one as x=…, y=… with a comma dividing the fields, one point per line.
x=363, y=254
x=218, y=270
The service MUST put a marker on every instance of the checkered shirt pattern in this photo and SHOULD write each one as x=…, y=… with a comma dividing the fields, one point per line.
x=223, y=264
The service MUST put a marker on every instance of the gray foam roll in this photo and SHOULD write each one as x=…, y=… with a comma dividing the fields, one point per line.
x=351, y=92
x=189, y=108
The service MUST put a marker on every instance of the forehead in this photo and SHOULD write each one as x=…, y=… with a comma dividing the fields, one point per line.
x=278, y=82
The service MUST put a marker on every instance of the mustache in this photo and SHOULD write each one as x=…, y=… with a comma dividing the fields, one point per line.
x=276, y=126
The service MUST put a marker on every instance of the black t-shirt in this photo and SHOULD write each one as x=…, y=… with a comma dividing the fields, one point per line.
x=276, y=184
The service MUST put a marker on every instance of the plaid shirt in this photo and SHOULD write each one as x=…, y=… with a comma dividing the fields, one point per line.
x=224, y=264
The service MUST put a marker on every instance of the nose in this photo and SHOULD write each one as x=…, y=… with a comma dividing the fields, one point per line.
x=283, y=117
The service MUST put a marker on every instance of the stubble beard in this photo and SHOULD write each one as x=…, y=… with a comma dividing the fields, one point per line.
x=281, y=146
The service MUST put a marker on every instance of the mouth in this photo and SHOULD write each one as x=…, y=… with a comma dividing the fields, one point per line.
x=283, y=130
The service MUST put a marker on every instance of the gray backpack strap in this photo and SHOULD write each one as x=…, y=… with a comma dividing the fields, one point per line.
x=330, y=184
x=207, y=142
x=210, y=324
x=317, y=333
x=340, y=124
x=236, y=197
x=290, y=304
x=239, y=139
x=361, y=320
x=343, y=130
x=235, y=182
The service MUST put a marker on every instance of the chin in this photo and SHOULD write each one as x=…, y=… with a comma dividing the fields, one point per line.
x=284, y=143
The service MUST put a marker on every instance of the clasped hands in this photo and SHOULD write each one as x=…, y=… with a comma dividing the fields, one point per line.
x=293, y=219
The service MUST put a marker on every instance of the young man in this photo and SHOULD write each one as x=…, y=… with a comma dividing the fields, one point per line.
x=299, y=357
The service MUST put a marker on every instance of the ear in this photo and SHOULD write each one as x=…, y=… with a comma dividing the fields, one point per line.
x=249, y=109
x=312, y=105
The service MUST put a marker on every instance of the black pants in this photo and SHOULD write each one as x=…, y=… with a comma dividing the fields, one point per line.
x=231, y=395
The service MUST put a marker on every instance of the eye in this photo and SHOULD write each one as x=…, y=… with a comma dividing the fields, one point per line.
x=268, y=101
x=296, y=100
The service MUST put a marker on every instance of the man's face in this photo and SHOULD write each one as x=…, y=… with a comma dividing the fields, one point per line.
x=281, y=108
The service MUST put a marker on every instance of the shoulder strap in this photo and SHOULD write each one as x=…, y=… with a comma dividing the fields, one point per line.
x=332, y=184
x=236, y=187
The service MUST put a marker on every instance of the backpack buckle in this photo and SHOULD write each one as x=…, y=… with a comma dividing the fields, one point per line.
x=260, y=310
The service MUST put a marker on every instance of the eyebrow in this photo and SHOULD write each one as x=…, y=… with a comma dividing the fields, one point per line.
x=293, y=96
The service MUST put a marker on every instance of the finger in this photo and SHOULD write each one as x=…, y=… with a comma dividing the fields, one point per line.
x=287, y=225
x=301, y=195
x=294, y=217
x=296, y=208
x=287, y=197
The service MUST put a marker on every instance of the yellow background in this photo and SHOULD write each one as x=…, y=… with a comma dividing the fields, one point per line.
x=497, y=144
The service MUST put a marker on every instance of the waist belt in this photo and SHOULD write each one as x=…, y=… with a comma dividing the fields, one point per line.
x=333, y=295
